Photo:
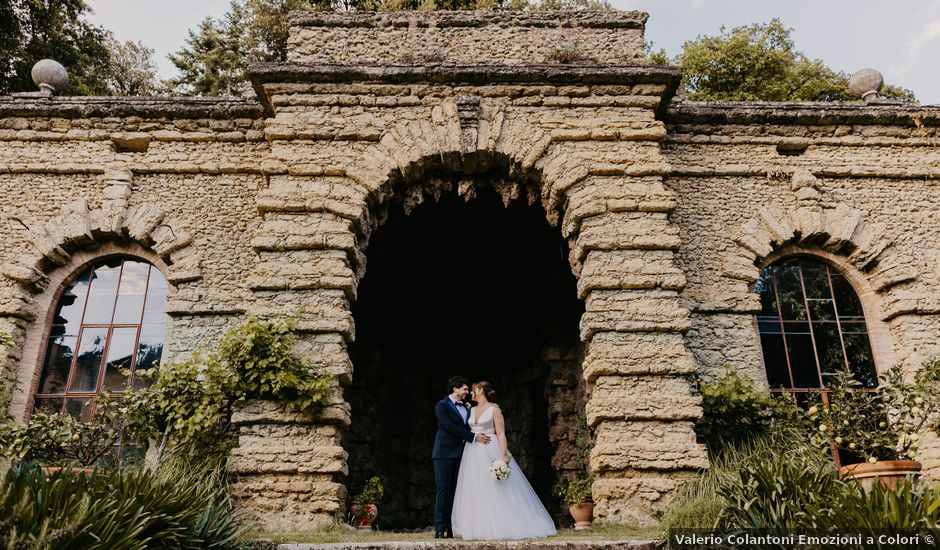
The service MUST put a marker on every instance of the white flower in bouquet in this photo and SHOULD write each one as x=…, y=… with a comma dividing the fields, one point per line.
x=499, y=470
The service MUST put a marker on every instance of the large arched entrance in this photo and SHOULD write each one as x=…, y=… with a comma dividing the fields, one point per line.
x=472, y=287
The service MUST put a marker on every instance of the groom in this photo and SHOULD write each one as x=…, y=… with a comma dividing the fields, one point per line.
x=453, y=431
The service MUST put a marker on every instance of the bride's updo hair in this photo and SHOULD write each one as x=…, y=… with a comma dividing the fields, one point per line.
x=488, y=390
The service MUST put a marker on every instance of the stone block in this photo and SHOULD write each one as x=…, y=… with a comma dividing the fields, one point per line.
x=284, y=231
x=639, y=499
x=316, y=310
x=642, y=398
x=646, y=445
x=142, y=220
x=626, y=231
x=629, y=270
x=633, y=311
x=636, y=353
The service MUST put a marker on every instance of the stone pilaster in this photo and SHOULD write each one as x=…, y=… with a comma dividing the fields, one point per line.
x=289, y=467
x=286, y=465
x=641, y=409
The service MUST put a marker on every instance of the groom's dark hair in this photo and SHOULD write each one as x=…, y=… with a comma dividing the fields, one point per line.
x=456, y=382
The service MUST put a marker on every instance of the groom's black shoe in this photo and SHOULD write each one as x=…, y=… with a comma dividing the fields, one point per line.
x=439, y=534
x=449, y=534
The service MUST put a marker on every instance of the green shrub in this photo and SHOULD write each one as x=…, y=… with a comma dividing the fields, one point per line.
x=773, y=482
x=573, y=491
x=57, y=439
x=908, y=507
x=372, y=492
x=698, y=502
x=882, y=425
x=781, y=494
x=734, y=411
x=770, y=465
x=193, y=400
x=125, y=509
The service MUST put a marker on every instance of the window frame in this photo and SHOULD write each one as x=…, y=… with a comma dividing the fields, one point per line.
x=870, y=329
x=35, y=397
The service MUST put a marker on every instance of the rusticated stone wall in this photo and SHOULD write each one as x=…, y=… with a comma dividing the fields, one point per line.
x=583, y=141
x=267, y=207
x=612, y=37
x=855, y=185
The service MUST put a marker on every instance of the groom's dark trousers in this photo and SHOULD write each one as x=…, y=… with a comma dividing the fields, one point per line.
x=452, y=433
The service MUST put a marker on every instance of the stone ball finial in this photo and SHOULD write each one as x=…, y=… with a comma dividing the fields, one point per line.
x=866, y=83
x=50, y=75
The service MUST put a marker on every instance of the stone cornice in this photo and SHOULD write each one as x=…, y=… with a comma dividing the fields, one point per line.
x=460, y=74
x=609, y=19
x=891, y=114
x=146, y=107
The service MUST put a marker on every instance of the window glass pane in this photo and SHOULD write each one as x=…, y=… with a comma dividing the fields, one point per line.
x=850, y=307
x=120, y=354
x=765, y=289
x=790, y=293
x=802, y=358
x=150, y=347
x=854, y=327
x=55, y=370
x=80, y=408
x=775, y=360
x=769, y=325
x=822, y=310
x=68, y=319
x=828, y=349
x=53, y=405
x=861, y=362
x=88, y=363
x=104, y=283
x=130, y=303
x=816, y=280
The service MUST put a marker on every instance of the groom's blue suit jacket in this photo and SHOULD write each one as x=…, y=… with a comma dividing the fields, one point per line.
x=452, y=431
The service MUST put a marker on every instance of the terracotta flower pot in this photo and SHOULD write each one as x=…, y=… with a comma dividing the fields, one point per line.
x=889, y=473
x=583, y=514
x=365, y=515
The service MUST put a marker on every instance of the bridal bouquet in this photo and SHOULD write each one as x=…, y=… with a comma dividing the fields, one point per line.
x=499, y=470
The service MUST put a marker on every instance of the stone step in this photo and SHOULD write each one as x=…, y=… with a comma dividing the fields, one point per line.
x=482, y=545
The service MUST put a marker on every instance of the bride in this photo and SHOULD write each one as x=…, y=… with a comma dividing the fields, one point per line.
x=483, y=507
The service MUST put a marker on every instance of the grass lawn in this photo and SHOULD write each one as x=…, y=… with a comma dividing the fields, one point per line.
x=342, y=533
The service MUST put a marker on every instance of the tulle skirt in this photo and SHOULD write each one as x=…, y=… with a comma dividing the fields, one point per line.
x=486, y=509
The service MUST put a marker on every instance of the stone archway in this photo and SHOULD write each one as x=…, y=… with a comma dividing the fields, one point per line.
x=467, y=283
x=582, y=141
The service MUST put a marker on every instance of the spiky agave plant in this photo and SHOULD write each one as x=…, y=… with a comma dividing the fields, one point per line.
x=123, y=510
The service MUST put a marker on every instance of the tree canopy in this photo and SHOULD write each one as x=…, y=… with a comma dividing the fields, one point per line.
x=759, y=63
x=97, y=63
x=31, y=30
x=132, y=68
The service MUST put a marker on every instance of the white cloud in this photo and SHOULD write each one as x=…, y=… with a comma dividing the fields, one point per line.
x=927, y=33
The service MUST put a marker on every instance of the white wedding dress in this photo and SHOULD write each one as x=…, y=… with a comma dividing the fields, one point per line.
x=486, y=509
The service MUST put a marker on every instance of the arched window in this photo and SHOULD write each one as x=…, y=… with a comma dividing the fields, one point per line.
x=811, y=327
x=109, y=325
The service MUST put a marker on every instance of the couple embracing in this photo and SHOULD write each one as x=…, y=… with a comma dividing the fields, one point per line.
x=471, y=502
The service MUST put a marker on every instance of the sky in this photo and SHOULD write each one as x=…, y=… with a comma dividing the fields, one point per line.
x=900, y=38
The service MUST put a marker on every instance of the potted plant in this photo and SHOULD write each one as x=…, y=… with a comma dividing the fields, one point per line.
x=365, y=505
x=880, y=429
x=577, y=494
